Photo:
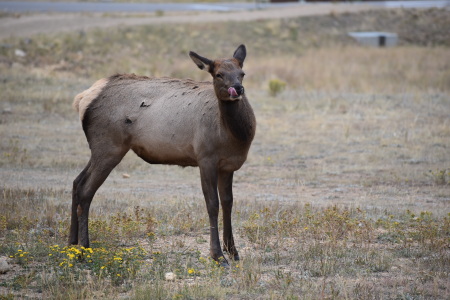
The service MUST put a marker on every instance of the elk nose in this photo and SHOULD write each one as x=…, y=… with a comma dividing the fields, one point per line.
x=239, y=89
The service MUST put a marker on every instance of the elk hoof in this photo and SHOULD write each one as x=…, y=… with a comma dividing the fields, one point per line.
x=233, y=255
x=222, y=262
x=236, y=257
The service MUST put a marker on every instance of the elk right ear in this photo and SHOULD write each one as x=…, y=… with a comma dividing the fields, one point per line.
x=202, y=62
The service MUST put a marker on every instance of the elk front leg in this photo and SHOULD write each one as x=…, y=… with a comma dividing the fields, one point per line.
x=226, y=200
x=208, y=177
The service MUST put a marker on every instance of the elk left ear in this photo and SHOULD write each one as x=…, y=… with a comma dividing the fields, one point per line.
x=240, y=55
x=202, y=62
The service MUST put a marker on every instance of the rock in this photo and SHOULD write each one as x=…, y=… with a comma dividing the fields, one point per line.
x=4, y=266
x=20, y=53
x=125, y=175
x=170, y=276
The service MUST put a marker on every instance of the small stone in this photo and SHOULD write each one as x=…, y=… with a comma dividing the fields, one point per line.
x=170, y=276
x=4, y=266
x=125, y=175
x=20, y=53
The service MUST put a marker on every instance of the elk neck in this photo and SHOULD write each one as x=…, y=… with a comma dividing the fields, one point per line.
x=238, y=118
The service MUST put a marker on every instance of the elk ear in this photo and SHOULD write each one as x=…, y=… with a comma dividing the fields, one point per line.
x=202, y=62
x=240, y=55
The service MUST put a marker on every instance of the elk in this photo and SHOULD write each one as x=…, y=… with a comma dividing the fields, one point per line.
x=170, y=121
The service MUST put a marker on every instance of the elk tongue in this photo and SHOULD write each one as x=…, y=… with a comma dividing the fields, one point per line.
x=232, y=92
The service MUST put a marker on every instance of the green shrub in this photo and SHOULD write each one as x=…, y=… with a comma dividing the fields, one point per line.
x=276, y=86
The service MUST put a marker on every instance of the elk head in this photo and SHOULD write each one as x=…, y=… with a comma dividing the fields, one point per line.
x=227, y=73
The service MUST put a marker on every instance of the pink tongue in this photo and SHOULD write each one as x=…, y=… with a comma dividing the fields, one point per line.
x=232, y=92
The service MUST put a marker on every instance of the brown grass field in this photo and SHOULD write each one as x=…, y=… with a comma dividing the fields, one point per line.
x=345, y=193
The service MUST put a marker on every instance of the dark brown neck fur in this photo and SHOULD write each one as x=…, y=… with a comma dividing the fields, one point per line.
x=239, y=119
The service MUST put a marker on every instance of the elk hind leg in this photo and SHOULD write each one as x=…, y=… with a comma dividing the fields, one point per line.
x=73, y=238
x=85, y=187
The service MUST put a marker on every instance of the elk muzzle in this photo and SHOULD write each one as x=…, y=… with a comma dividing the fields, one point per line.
x=236, y=91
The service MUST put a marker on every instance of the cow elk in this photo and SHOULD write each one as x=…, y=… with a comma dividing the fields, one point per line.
x=169, y=121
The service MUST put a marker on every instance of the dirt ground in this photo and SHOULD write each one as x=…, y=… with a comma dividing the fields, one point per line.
x=29, y=24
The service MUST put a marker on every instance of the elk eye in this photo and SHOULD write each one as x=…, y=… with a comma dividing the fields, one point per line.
x=218, y=75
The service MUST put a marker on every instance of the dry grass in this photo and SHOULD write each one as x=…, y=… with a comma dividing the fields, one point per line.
x=344, y=196
x=359, y=70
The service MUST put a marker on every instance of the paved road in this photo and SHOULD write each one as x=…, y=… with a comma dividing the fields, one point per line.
x=65, y=7
x=23, y=6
